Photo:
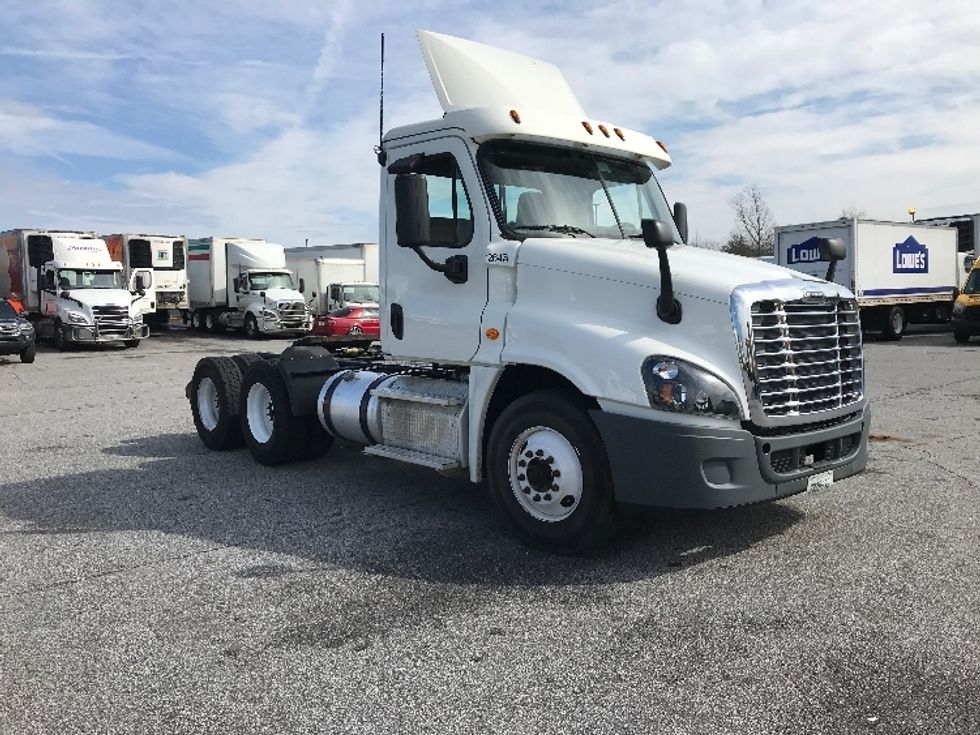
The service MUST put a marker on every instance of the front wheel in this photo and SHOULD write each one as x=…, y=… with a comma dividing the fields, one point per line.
x=251, y=327
x=548, y=473
x=961, y=336
x=132, y=344
x=894, y=326
x=60, y=343
x=28, y=354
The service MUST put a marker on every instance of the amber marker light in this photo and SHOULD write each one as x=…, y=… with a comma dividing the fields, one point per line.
x=619, y=134
x=662, y=145
x=604, y=130
x=588, y=126
x=493, y=333
x=515, y=116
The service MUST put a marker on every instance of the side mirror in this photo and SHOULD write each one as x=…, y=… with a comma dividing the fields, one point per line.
x=49, y=280
x=411, y=210
x=236, y=284
x=657, y=233
x=312, y=294
x=302, y=286
x=832, y=249
x=680, y=219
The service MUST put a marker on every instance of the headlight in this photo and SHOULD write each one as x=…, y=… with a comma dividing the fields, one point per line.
x=138, y=318
x=76, y=317
x=958, y=309
x=26, y=327
x=268, y=313
x=676, y=385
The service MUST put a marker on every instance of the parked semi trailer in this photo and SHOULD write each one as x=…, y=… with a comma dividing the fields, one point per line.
x=333, y=283
x=902, y=272
x=546, y=330
x=70, y=288
x=162, y=260
x=244, y=284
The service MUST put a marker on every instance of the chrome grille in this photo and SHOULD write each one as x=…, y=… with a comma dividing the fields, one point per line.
x=806, y=355
x=292, y=314
x=112, y=320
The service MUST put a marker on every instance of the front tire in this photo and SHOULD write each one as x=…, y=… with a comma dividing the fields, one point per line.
x=548, y=473
x=60, y=343
x=132, y=344
x=213, y=394
x=894, y=325
x=961, y=336
x=251, y=327
x=28, y=354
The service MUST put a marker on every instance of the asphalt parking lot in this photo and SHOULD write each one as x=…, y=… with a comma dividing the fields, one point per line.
x=148, y=585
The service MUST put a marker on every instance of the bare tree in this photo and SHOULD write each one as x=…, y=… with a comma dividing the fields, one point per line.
x=700, y=241
x=753, y=232
x=853, y=212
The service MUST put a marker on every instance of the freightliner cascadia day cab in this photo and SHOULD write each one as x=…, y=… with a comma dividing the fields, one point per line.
x=70, y=288
x=243, y=284
x=901, y=272
x=546, y=330
x=333, y=281
x=162, y=260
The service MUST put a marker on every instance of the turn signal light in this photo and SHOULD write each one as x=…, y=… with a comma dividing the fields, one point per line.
x=515, y=117
x=588, y=126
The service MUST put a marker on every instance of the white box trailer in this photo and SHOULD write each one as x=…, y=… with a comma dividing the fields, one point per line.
x=332, y=283
x=243, y=284
x=164, y=259
x=901, y=272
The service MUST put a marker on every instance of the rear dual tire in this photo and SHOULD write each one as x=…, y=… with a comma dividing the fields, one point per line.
x=272, y=433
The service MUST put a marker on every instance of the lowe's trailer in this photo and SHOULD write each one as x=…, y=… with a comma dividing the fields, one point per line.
x=901, y=272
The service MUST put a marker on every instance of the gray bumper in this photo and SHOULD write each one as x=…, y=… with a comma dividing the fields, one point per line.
x=92, y=333
x=668, y=465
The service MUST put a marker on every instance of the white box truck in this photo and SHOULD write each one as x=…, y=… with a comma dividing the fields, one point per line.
x=546, y=330
x=71, y=289
x=243, y=284
x=163, y=259
x=332, y=283
x=901, y=272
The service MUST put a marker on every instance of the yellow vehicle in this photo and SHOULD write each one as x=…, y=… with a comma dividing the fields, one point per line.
x=966, y=310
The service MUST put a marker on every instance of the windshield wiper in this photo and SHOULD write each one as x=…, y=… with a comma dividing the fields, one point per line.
x=564, y=229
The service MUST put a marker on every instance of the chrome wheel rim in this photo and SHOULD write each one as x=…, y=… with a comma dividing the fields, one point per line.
x=208, y=408
x=260, y=413
x=545, y=474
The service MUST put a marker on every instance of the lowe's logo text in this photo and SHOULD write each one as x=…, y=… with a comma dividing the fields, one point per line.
x=910, y=256
x=807, y=251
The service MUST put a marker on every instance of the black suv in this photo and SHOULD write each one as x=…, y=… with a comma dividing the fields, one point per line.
x=16, y=333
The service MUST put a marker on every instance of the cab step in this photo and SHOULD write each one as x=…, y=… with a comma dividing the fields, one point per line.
x=412, y=456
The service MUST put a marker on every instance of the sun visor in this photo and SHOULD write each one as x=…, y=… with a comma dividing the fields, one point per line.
x=466, y=74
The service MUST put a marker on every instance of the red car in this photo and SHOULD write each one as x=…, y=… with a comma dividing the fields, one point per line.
x=360, y=322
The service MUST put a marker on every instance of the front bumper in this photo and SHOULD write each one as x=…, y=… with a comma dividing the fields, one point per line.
x=16, y=344
x=668, y=465
x=93, y=333
x=278, y=326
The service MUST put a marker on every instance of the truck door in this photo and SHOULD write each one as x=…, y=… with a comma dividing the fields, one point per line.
x=147, y=303
x=424, y=314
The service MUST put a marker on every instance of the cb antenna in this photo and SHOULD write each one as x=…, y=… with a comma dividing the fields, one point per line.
x=379, y=148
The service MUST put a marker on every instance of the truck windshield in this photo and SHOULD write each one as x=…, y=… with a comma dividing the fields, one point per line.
x=69, y=278
x=360, y=294
x=267, y=281
x=972, y=285
x=548, y=191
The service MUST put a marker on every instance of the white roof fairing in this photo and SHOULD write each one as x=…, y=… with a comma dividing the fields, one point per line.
x=466, y=74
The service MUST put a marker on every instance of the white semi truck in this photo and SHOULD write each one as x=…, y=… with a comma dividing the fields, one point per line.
x=160, y=258
x=70, y=288
x=243, y=284
x=901, y=272
x=546, y=330
x=334, y=282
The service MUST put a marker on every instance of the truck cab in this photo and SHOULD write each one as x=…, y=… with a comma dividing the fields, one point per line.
x=966, y=310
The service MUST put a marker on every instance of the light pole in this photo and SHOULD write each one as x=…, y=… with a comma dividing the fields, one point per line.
x=911, y=211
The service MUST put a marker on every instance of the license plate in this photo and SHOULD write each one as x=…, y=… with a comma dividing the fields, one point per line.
x=819, y=480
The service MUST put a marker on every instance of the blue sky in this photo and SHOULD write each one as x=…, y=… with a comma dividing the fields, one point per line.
x=258, y=118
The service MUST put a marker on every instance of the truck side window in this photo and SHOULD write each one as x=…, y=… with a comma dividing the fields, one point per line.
x=450, y=216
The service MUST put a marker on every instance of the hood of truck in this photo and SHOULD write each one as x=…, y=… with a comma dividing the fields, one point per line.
x=276, y=295
x=100, y=297
x=697, y=272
